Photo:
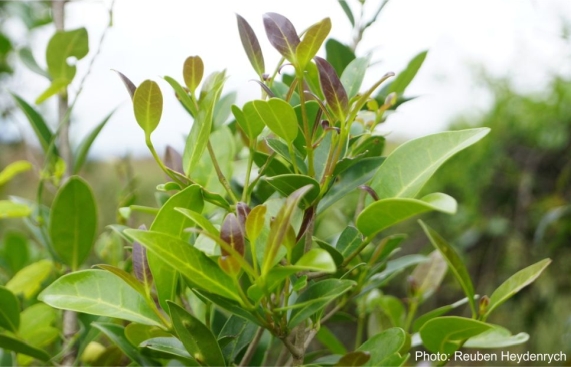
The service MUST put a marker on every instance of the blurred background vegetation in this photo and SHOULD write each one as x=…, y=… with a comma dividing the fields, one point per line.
x=513, y=189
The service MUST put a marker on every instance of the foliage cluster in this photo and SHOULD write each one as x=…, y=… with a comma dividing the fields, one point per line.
x=231, y=270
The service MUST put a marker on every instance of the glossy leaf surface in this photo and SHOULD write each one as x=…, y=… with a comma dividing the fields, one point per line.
x=278, y=115
x=385, y=213
x=196, y=337
x=410, y=166
x=189, y=261
x=515, y=283
x=446, y=334
x=168, y=221
x=199, y=134
x=287, y=184
x=496, y=337
x=101, y=293
x=316, y=297
x=73, y=222
x=383, y=346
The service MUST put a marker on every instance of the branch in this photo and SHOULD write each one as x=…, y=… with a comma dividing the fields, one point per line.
x=252, y=348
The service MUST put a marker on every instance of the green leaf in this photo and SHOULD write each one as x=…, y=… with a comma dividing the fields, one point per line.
x=383, y=346
x=101, y=293
x=349, y=180
x=349, y=240
x=278, y=115
x=171, y=348
x=282, y=35
x=455, y=264
x=347, y=11
x=10, y=310
x=335, y=94
x=19, y=346
x=251, y=124
x=200, y=221
x=241, y=331
x=28, y=281
x=9, y=209
x=126, y=277
x=16, y=250
x=421, y=320
x=280, y=227
x=37, y=122
x=116, y=334
x=223, y=108
x=496, y=337
x=196, y=337
x=168, y=221
x=316, y=259
x=29, y=60
x=255, y=222
x=192, y=72
x=316, y=297
x=251, y=45
x=200, y=132
x=428, y=275
x=354, y=359
x=446, y=334
x=63, y=46
x=14, y=169
x=287, y=184
x=182, y=96
x=288, y=152
x=192, y=263
x=73, y=222
x=411, y=165
x=385, y=213
x=353, y=76
x=148, y=106
x=85, y=145
x=229, y=305
x=338, y=55
x=393, y=268
x=311, y=42
x=138, y=333
x=330, y=341
x=406, y=76
x=515, y=283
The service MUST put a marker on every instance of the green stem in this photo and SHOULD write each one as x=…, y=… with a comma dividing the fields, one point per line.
x=306, y=129
x=356, y=252
x=221, y=176
x=159, y=161
x=413, y=307
x=245, y=197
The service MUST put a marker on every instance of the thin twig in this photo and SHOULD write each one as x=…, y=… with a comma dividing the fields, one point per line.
x=252, y=348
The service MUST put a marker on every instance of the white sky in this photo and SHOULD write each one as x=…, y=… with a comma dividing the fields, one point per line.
x=152, y=38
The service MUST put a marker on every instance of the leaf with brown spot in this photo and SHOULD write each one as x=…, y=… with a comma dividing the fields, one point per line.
x=232, y=234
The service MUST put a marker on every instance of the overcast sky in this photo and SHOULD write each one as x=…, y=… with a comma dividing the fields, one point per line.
x=152, y=38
